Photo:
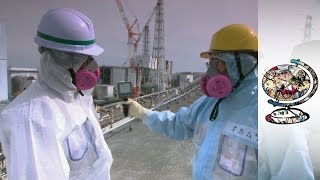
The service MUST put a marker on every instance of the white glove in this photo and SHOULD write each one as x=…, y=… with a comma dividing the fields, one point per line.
x=136, y=109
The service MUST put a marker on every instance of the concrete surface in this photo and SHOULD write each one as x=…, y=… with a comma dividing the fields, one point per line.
x=142, y=155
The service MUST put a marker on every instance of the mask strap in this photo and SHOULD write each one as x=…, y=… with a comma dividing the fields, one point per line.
x=237, y=56
x=73, y=76
x=215, y=109
x=242, y=77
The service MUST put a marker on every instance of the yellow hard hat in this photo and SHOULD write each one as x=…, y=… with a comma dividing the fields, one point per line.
x=234, y=37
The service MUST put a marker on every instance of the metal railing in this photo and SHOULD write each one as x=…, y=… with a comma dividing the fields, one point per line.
x=112, y=117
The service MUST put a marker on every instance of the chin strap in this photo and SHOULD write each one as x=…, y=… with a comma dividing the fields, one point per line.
x=73, y=76
x=215, y=109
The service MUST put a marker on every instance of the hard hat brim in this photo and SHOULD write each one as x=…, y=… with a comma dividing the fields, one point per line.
x=93, y=50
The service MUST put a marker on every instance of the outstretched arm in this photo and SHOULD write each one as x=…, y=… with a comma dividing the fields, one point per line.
x=179, y=125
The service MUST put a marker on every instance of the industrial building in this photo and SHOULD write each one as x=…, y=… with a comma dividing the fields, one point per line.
x=111, y=75
x=184, y=78
x=20, y=79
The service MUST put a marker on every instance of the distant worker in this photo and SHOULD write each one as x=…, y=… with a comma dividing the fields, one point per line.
x=51, y=130
x=223, y=124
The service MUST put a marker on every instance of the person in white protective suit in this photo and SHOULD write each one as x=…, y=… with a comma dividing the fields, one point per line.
x=223, y=123
x=51, y=131
x=292, y=151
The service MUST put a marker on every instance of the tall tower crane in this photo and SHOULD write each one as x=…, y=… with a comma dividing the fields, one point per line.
x=307, y=28
x=158, y=78
x=134, y=37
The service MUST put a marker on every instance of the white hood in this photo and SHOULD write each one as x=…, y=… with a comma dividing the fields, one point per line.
x=54, y=72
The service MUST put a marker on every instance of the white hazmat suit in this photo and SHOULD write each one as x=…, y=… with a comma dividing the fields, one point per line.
x=50, y=131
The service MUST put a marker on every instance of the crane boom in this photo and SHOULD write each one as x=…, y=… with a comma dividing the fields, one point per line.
x=145, y=47
x=153, y=12
x=133, y=40
x=122, y=13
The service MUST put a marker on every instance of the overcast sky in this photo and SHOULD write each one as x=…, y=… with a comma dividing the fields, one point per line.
x=189, y=25
x=282, y=26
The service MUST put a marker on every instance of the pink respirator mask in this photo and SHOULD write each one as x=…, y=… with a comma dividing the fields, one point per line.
x=86, y=78
x=214, y=83
x=218, y=86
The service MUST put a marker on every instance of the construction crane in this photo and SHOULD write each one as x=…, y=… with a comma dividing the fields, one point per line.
x=158, y=77
x=134, y=37
x=146, y=37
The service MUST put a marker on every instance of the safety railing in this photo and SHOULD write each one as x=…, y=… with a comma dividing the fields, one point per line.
x=112, y=117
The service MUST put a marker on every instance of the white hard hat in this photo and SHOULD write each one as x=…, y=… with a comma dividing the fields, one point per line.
x=67, y=30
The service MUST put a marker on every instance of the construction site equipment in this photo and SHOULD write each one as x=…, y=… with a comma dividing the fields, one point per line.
x=134, y=37
x=158, y=78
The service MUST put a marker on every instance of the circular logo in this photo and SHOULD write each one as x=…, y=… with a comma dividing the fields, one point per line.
x=289, y=85
x=286, y=82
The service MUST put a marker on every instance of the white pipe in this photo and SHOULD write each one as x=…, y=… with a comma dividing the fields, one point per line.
x=3, y=64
